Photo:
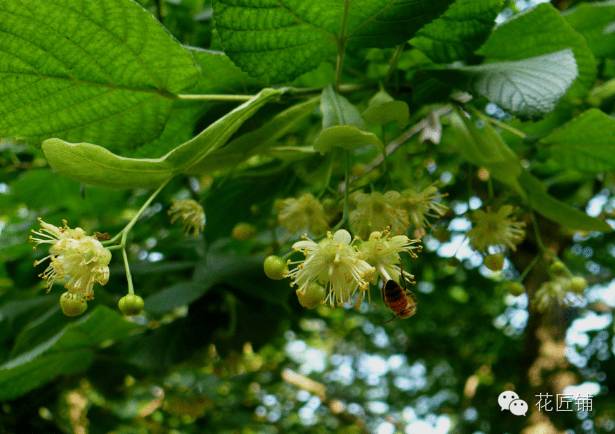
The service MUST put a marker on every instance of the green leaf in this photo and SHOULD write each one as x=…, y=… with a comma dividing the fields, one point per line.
x=459, y=31
x=481, y=145
x=540, y=31
x=587, y=143
x=67, y=352
x=93, y=164
x=556, y=210
x=346, y=137
x=526, y=87
x=596, y=22
x=103, y=71
x=257, y=141
x=383, y=109
x=278, y=40
x=337, y=110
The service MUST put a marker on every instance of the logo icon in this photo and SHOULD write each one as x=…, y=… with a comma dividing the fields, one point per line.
x=509, y=400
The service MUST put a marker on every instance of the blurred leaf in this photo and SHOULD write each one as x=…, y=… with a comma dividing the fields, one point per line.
x=586, y=143
x=459, y=31
x=482, y=146
x=67, y=352
x=93, y=164
x=346, y=137
x=80, y=72
x=596, y=22
x=383, y=109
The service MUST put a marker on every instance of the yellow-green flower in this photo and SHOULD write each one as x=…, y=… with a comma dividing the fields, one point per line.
x=302, y=214
x=423, y=205
x=497, y=229
x=377, y=212
x=191, y=215
x=76, y=259
x=334, y=263
x=382, y=251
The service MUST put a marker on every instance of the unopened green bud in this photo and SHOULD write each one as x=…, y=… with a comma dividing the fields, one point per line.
x=558, y=268
x=311, y=296
x=515, y=288
x=494, y=262
x=275, y=267
x=578, y=284
x=243, y=231
x=130, y=304
x=72, y=304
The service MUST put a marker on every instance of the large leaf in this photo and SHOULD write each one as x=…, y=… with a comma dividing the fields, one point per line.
x=556, y=210
x=595, y=21
x=93, y=164
x=102, y=71
x=67, y=352
x=541, y=31
x=587, y=143
x=526, y=87
x=459, y=31
x=278, y=40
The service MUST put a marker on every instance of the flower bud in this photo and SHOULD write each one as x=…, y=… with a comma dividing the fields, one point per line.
x=243, y=231
x=558, y=268
x=311, y=296
x=494, y=262
x=514, y=288
x=275, y=267
x=72, y=304
x=578, y=284
x=130, y=304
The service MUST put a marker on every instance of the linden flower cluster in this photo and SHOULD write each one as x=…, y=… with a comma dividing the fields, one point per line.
x=395, y=211
x=191, y=215
x=335, y=268
x=302, y=214
x=75, y=259
x=496, y=229
x=563, y=288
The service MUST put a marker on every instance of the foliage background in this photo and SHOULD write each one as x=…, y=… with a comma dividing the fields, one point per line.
x=217, y=346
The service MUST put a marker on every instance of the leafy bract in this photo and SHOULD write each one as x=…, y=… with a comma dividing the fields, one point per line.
x=383, y=109
x=538, y=32
x=596, y=22
x=95, y=165
x=278, y=40
x=69, y=351
x=587, y=143
x=556, y=210
x=101, y=71
x=459, y=31
x=526, y=87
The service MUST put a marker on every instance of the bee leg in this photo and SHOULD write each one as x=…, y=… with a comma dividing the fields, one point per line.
x=389, y=320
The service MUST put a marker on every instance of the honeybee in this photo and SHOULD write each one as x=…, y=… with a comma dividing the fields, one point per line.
x=399, y=298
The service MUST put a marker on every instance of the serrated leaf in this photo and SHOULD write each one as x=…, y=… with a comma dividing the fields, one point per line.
x=95, y=165
x=459, y=31
x=383, y=109
x=528, y=87
x=278, y=40
x=586, y=143
x=537, y=32
x=596, y=22
x=556, y=210
x=102, y=71
x=67, y=352
x=346, y=137
x=481, y=145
